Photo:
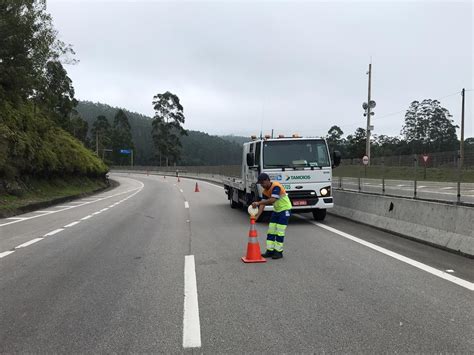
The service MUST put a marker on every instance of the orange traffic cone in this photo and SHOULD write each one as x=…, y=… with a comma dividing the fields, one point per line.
x=253, y=248
x=196, y=189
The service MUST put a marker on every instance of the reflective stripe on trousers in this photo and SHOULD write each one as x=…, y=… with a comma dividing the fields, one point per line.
x=276, y=236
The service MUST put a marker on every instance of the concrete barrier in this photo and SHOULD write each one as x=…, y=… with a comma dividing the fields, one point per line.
x=448, y=226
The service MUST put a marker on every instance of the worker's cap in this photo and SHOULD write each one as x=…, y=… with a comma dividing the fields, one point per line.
x=263, y=177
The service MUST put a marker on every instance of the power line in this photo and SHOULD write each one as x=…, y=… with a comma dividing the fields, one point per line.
x=395, y=113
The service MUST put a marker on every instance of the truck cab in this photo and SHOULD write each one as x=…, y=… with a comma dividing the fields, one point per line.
x=302, y=165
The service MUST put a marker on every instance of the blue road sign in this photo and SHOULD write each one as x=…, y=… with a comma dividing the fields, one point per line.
x=125, y=151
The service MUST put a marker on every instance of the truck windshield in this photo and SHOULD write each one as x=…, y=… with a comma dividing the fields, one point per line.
x=293, y=154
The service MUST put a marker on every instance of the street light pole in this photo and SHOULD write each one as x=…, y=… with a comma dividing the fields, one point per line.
x=367, y=143
x=461, y=148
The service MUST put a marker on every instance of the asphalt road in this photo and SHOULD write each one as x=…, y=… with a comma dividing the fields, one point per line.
x=117, y=281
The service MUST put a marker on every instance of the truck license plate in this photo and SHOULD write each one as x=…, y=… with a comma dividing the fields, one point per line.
x=300, y=203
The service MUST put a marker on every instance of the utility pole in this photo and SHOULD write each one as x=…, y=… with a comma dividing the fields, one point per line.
x=131, y=158
x=461, y=148
x=367, y=144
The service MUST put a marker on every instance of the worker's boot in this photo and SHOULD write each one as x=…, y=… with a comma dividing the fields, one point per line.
x=277, y=255
x=268, y=254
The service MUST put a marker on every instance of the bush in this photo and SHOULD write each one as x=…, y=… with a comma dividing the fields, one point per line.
x=32, y=144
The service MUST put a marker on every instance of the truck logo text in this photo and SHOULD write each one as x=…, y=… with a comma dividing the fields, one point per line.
x=298, y=177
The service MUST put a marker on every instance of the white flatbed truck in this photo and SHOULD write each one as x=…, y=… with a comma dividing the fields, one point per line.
x=302, y=165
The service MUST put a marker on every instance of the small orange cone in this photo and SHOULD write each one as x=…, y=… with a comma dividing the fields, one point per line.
x=196, y=189
x=253, y=248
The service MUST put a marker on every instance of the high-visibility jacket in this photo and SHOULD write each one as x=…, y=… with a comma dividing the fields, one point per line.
x=277, y=191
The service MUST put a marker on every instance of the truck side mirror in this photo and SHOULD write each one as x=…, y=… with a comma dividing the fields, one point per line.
x=336, y=158
x=250, y=159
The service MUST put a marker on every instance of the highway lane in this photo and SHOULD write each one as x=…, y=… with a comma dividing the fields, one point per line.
x=115, y=281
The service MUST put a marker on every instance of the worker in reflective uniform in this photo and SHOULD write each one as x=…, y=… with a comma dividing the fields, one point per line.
x=274, y=194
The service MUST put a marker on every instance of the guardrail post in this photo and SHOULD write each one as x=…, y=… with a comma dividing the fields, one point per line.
x=459, y=179
x=359, y=177
x=383, y=176
x=414, y=185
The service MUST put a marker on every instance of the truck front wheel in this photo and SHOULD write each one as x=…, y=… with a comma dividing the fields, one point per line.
x=319, y=214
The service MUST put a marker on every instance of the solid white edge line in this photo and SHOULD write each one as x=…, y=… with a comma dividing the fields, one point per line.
x=71, y=224
x=417, y=264
x=5, y=253
x=82, y=204
x=56, y=231
x=86, y=217
x=191, y=324
x=186, y=204
x=32, y=241
x=15, y=218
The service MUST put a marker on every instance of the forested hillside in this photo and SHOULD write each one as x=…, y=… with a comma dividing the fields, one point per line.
x=198, y=148
x=37, y=121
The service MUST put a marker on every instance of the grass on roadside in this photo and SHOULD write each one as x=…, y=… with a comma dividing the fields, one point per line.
x=36, y=191
x=403, y=173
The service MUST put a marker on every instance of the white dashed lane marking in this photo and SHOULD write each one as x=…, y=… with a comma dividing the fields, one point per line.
x=191, y=324
x=56, y=231
x=5, y=253
x=186, y=204
x=71, y=224
x=32, y=241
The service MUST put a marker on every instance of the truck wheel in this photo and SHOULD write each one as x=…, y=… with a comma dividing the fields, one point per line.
x=319, y=214
x=233, y=204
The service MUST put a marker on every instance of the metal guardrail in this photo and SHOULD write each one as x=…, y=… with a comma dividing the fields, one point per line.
x=448, y=191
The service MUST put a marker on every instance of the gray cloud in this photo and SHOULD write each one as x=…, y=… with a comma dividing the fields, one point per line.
x=299, y=65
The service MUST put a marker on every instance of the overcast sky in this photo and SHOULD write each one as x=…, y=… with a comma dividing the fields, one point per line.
x=298, y=66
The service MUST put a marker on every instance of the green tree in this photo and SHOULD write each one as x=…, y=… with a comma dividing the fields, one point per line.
x=28, y=42
x=167, y=127
x=356, y=143
x=101, y=134
x=335, y=139
x=58, y=94
x=429, y=127
x=121, y=137
x=79, y=129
